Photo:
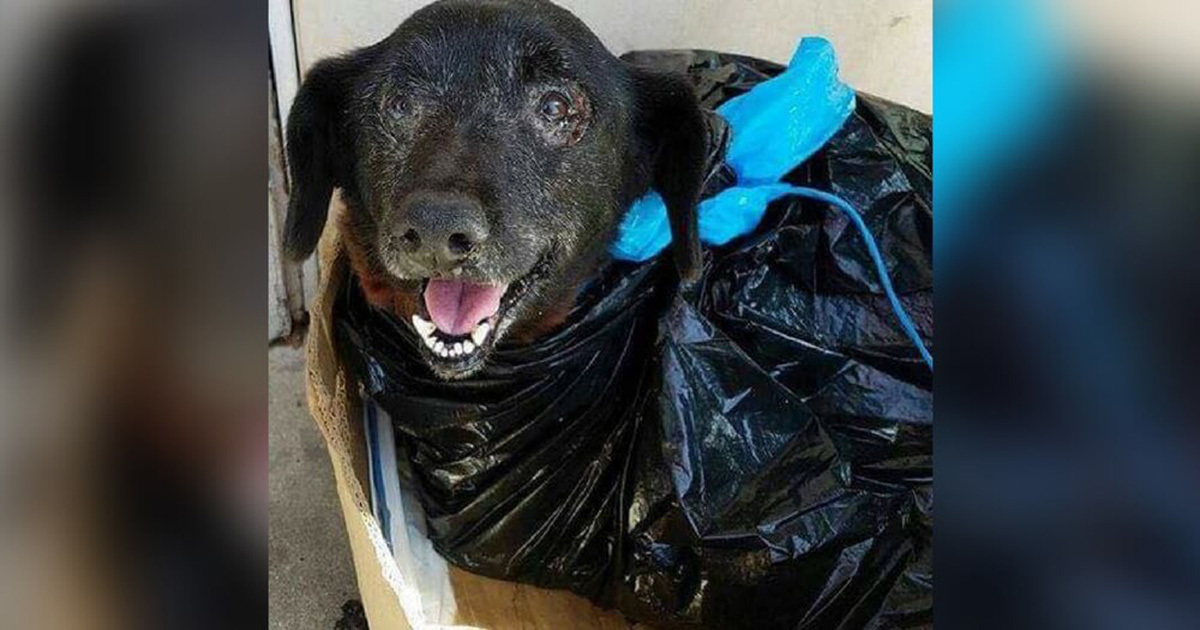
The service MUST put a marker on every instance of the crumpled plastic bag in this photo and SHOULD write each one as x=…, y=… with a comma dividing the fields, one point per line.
x=752, y=452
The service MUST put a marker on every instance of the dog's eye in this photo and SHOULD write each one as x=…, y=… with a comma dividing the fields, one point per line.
x=554, y=107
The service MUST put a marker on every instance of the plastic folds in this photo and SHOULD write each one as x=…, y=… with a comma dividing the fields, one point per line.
x=753, y=452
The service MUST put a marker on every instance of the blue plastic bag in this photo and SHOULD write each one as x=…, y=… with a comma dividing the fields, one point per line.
x=774, y=128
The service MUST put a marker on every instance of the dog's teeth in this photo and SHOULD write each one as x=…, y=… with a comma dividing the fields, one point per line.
x=439, y=348
x=429, y=341
x=425, y=328
x=457, y=349
x=468, y=347
x=480, y=333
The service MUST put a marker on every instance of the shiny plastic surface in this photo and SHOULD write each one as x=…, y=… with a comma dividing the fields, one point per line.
x=753, y=452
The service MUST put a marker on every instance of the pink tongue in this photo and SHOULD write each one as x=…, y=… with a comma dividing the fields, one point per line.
x=455, y=306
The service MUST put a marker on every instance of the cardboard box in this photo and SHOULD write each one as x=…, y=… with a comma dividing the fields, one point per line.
x=394, y=600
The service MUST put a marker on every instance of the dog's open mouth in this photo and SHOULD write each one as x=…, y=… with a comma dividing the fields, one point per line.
x=460, y=319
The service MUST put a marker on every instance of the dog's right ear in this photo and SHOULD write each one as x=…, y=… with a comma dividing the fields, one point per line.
x=320, y=155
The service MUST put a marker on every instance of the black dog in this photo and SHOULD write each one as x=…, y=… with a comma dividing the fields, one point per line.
x=486, y=152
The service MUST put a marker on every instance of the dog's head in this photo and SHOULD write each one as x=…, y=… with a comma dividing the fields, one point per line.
x=486, y=152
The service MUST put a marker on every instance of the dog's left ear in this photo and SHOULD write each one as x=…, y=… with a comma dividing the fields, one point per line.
x=671, y=126
x=319, y=154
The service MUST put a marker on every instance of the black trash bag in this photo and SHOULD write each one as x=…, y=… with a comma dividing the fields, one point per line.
x=755, y=451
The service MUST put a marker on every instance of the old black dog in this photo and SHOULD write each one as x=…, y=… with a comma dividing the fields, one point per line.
x=486, y=152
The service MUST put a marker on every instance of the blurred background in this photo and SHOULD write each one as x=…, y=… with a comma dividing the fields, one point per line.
x=133, y=471
x=1068, y=296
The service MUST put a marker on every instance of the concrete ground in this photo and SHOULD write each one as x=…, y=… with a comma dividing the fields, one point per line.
x=309, y=566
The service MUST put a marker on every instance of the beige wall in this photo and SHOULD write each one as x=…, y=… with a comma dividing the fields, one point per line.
x=885, y=46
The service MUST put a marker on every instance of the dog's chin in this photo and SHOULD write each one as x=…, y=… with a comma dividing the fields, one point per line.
x=456, y=357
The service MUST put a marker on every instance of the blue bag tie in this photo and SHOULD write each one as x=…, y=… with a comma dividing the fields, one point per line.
x=774, y=127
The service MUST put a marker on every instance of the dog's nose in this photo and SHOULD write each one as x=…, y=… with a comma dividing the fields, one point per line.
x=447, y=227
